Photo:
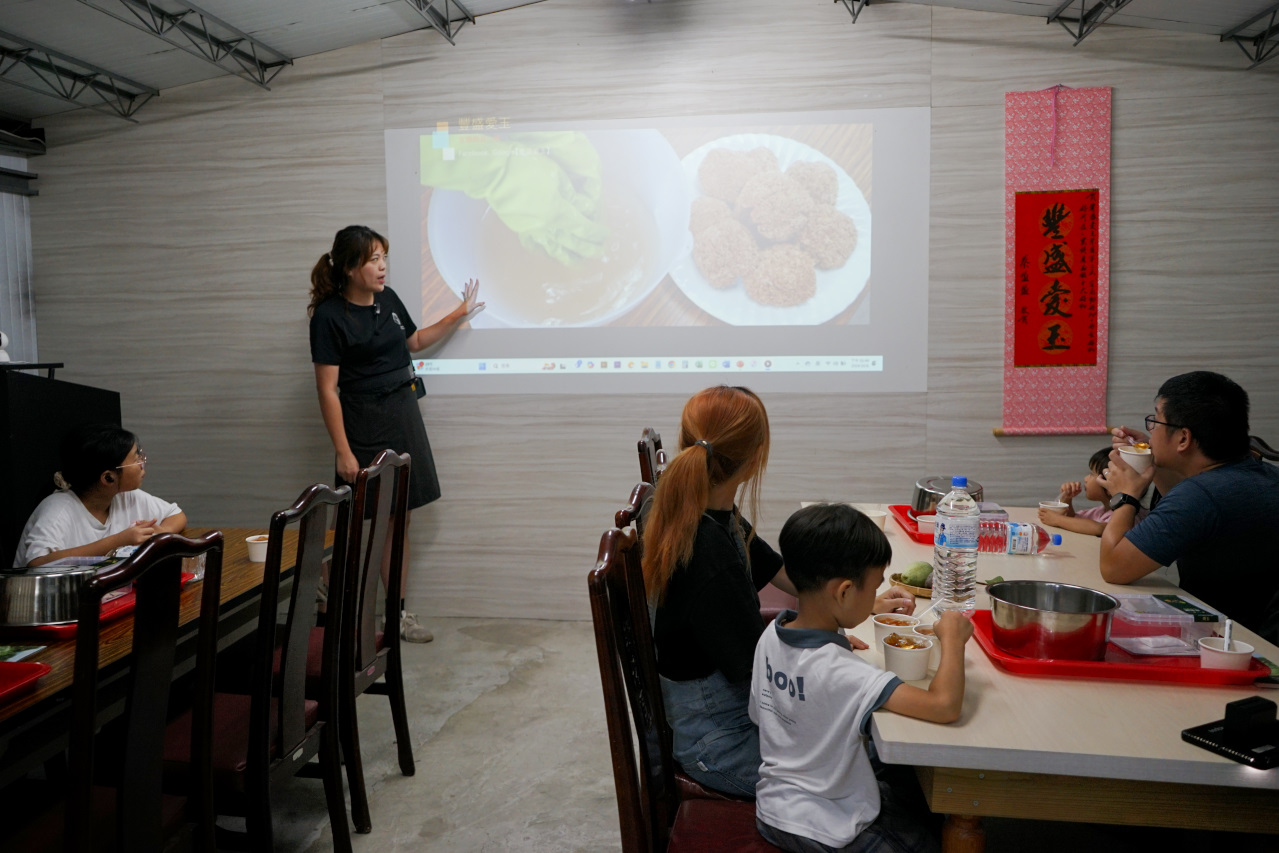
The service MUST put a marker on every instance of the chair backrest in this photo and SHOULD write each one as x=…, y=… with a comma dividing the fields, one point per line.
x=630, y=514
x=1262, y=450
x=652, y=459
x=381, y=498
x=311, y=514
x=646, y=795
x=155, y=571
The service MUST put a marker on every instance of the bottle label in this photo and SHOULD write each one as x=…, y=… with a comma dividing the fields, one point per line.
x=958, y=532
x=1021, y=538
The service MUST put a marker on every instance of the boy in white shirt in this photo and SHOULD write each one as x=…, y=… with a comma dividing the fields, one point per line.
x=812, y=697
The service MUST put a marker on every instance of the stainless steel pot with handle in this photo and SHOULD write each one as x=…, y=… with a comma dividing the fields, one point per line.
x=930, y=490
x=31, y=597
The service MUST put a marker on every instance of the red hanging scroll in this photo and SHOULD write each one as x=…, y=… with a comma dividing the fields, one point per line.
x=1057, y=222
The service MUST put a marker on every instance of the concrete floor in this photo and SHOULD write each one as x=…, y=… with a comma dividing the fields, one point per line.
x=512, y=755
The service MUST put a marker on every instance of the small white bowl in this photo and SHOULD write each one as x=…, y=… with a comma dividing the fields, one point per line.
x=921, y=520
x=1055, y=506
x=257, y=548
x=907, y=664
x=876, y=515
x=1213, y=654
x=904, y=626
x=934, y=658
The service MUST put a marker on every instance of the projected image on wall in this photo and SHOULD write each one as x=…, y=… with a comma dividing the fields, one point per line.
x=644, y=227
x=679, y=245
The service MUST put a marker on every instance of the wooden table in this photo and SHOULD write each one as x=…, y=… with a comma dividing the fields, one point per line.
x=33, y=727
x=1095, y=751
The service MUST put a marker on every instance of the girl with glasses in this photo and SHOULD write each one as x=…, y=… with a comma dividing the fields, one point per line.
x=98, y=506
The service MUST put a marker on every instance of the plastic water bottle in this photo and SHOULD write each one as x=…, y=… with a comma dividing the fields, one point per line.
x=1015, y=537
x=955, y=543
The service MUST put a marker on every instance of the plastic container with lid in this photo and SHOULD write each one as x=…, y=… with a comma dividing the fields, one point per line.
x=1148, y=616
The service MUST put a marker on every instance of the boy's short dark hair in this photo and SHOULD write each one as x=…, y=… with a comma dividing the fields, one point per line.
x=1214, y=409
x=1099, y=460
x=827, y=541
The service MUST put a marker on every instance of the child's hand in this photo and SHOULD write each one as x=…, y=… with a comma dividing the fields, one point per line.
x=1051, y=517
x=894, y=600
x=1071, y=490
x=953, y=628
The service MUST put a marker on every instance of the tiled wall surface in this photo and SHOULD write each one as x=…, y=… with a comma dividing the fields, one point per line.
x=172, y=260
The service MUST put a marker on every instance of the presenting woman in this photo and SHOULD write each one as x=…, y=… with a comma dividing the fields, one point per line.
x=98, y=506
x=361, y=340
x=703, y=569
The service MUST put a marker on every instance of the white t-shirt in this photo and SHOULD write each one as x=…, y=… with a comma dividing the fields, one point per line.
x=812, y=699
x=61, y=522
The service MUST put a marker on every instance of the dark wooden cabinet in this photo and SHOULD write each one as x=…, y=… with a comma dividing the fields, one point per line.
x=35, y=413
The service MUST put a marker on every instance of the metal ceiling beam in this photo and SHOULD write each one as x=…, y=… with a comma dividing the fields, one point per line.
x=439, y=15
x=59, y=78
x=854, y=7
x=200, y=34
x=1263, y=44
x=1088, y=18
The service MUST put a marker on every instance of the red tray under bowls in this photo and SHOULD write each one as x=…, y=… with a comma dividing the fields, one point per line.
x=17, y=677
x=116, y=608
x=901, y=512
x=1117, y=664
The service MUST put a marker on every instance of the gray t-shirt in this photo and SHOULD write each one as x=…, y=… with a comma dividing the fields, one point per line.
x=1219, y=527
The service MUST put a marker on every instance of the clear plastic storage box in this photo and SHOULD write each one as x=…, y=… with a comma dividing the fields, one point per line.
x=1147, y=616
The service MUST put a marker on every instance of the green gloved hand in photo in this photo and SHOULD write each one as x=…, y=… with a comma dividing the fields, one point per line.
x=544, y=186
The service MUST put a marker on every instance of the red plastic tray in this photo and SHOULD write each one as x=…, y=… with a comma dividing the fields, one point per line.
x=901, y=512
x=112, y=610
x=1118, y=664
x=18, y=677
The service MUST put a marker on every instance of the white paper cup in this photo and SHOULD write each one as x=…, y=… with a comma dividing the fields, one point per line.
x=1213, y=654
x=907, y=664
x=257, y=548
x=1138, y=460
x=934, y=657
x=876, y=515
x=922, y=521
x=905, y=623
x=1055, y=506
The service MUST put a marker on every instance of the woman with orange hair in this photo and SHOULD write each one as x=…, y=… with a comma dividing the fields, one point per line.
x=703, y=569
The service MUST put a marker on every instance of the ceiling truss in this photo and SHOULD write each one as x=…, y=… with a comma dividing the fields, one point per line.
x=1260, y=46
x=70, y=79
x=438, y=14
x=1088, y=18
x=854, y=7
x=190, y=28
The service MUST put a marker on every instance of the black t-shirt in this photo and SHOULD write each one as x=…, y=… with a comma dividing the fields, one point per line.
x=1218, y=526
x=710, y=618
x=368, y=342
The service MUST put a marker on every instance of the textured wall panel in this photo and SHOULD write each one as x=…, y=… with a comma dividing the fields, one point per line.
x=172, y=260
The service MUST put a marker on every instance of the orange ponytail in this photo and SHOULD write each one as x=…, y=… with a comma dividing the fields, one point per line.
x=723, y=435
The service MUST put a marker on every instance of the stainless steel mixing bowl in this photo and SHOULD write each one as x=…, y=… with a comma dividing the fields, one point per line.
x=1042, y=620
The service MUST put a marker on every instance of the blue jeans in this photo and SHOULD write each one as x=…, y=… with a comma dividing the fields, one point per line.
x=714, y=740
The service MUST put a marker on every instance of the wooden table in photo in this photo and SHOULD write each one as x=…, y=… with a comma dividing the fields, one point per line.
x=1072, y=749
x=33, y=727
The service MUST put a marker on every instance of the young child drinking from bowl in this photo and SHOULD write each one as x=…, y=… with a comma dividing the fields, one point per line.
x=1091, y=521
x=812, y=697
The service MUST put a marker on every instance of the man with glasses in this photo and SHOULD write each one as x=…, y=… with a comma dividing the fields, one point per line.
x=1217, y=517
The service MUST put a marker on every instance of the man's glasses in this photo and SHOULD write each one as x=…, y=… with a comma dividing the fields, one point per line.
x=142, y=461
x=1150, y=423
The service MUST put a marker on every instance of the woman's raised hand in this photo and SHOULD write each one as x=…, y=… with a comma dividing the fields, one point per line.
x=471, y=293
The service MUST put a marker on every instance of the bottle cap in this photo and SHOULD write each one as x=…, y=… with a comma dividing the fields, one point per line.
x=959, y=482
x=1056, y=540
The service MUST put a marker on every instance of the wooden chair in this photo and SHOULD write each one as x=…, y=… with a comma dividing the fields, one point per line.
x=652, y=817
x=369, y=660
x=630, y=514
x=1262, y=450
x=652, y=459
x=137, y=815
x=274, y=731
